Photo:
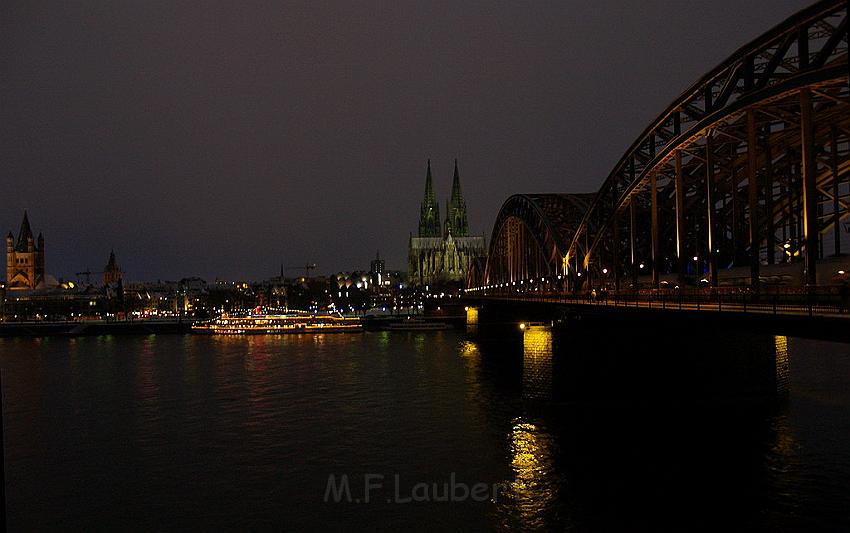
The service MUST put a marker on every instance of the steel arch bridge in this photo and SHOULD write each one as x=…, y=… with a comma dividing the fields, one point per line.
x=745, y=172
x=532, y=234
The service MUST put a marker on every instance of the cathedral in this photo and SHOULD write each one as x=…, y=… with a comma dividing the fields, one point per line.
x=442, y=251
x=24, y=259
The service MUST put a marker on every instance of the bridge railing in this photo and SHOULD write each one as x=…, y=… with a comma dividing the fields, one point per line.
x=774, y=300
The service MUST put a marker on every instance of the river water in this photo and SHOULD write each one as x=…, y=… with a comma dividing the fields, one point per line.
x=173, y=432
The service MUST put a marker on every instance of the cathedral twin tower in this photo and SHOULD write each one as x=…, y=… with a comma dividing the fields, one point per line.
x=429, y=214
x=443, y=252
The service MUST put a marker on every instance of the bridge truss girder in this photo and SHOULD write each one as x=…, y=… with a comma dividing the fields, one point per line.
x=748, y=167
x=530, y=237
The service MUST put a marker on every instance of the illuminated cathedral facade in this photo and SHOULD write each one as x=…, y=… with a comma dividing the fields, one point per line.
x=442, y=252
x=24, y=259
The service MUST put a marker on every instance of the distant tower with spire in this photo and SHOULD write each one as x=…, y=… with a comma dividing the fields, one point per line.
x=429, y=211
x=441, y=254
x=24, y=259
x=112, y=272
x=456, y=222
x=376, y=271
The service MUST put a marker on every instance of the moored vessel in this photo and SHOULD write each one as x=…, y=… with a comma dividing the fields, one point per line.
x=276, y=324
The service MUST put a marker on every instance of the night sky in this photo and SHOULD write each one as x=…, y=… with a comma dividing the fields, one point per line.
x=223, y=138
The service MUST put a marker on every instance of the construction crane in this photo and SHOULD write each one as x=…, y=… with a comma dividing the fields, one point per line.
x=87, y=273
x=306, y=268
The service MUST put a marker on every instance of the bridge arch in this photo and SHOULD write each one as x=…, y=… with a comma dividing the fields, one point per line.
x=743, y=175
x=531, y=236
x=748, y=167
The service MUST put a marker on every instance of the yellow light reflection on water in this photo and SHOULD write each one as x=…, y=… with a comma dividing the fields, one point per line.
x=527, y=461
x=783, y=365
x=534, y=487
x=469, y=349
x=471, y=354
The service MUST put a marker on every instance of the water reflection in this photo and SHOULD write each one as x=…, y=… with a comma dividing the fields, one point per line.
x=226, y=432
x=470, y=352
x=613, y=463
x=783, y=365
x=534, y=488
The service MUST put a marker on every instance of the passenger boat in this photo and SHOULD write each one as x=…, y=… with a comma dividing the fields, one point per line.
x=416, y=324
x=268, y=324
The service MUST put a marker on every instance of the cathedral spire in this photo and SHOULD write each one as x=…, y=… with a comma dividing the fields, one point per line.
x=429, y=213
x=429, y=185
x=456, y=194
x=24, y=235
x=456, y=221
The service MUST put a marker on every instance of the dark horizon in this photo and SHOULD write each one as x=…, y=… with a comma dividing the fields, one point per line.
x=224, y=141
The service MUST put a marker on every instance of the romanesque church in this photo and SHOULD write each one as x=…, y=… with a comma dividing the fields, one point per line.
x=24, y=259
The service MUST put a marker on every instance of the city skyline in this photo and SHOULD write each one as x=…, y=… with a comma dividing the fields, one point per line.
x=209, y=144
x=283, y=268
x=425, y=265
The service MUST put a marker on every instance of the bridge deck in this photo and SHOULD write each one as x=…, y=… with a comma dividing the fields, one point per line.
x=725, y=303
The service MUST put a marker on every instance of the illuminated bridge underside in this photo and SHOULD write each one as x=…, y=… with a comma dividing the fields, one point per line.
x=532, y=234
x=747, y=168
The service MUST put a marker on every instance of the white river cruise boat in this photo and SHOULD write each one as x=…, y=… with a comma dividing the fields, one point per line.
x=275, y=324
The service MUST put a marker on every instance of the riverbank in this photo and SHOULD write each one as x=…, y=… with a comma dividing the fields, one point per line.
x=93, y=327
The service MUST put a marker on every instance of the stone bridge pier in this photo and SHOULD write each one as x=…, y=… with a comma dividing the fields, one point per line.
x=604, y=359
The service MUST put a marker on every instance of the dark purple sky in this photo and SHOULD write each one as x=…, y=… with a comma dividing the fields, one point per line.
x=222, y=138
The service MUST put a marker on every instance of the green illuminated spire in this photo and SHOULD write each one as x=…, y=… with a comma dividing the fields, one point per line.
x=429, y=213
x=456, y=222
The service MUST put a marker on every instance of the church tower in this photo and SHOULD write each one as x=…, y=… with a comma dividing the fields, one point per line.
x=429, y=212
x=456, y=222
x=24, y=259
x=112, y=272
